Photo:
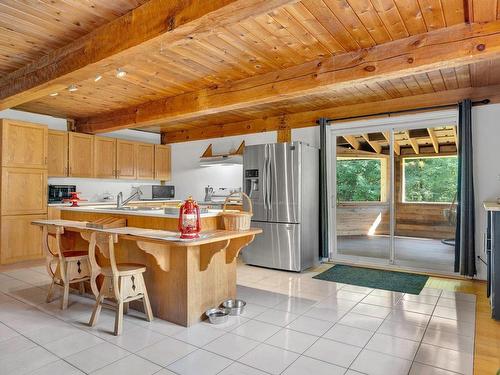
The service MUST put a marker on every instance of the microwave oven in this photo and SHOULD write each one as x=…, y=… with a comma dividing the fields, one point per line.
x=57, y=193
x=157, y=192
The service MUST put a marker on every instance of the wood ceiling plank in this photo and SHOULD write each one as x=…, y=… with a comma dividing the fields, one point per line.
x=167, y=21
x=484, y=10
x=448, y=48
x=390, y=16
x=454, y=12
x=463, y=76
x=436, y=79
x=369, y=17
x=412, y=16
x=312, y=25
x=331, y=23
x=298, y=31
x=424, y=82
x=351, y=22
x=433, y=14
x=309, y=118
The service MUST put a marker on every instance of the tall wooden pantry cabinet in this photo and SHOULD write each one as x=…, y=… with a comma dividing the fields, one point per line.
x=23, y=189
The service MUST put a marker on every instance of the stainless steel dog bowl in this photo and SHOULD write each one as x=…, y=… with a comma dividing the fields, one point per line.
x=235, y=306
x=217, y=316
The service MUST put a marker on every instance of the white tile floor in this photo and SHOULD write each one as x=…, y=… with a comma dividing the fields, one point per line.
x=293, y=325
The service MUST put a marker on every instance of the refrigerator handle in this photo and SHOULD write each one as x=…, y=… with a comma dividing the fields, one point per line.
x=269, y=183
x=264, y=179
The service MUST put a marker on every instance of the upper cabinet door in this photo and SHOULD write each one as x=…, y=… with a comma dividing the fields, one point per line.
x=145, y=161
x=105, y=157
x=81, y=155
x=163, y=168
x=24, y=144
x=126, y=156
x=58, y=153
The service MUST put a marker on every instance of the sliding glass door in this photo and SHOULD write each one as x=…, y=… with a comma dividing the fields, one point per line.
x=393, y=192
x=425, y=180
x=362, y=199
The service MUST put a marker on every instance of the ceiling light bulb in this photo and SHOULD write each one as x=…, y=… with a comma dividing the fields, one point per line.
x=72, y=88
x=120, y=73
x=54, y=94
x=97, y=78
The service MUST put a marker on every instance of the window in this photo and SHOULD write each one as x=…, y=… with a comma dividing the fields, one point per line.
x=430, y=180
x=360, y=180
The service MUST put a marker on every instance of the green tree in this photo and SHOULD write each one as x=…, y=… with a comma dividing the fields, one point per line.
x=358, y=180
x=430, y=179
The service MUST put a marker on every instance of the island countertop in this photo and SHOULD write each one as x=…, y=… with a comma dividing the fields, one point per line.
x=111, y=209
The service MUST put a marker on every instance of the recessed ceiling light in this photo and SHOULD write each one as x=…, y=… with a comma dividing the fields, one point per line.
x=54, y=94
x=97, y=78
x=72, y=88
x=120, y=73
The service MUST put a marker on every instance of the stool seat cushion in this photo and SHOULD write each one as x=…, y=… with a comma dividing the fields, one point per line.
x=125, y=269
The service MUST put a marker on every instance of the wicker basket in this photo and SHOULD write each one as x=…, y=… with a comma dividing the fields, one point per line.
x=237, y=220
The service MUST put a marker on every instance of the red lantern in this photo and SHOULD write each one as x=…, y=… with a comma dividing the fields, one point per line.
x=189, y=219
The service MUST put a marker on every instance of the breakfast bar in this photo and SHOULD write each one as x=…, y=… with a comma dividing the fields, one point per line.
x=183, y=278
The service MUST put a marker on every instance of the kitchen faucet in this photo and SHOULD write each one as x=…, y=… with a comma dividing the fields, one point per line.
x=119, y=198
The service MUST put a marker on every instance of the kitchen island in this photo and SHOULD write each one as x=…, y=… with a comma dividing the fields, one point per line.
x=183, y=278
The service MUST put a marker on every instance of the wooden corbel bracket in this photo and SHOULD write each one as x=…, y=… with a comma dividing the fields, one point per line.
x=207, y=252
x=161, y=253
x=235, y=246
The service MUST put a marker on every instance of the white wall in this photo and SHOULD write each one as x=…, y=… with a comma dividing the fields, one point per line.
x=91, y=189
x=486, y=138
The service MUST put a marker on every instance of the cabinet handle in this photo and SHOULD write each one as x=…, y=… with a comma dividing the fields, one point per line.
x=45, y=160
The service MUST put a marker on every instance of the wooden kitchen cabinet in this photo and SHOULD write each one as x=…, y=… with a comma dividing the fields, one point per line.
x=145, y=161
x=24, y=191
x=163, y=169
x=24, y=144
x=104, y=157
x=57, y=153
x=19, y=240
x=81, y=155
x=126, y=159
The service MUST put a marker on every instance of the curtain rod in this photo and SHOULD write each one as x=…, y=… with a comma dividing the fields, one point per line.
x=474, y=104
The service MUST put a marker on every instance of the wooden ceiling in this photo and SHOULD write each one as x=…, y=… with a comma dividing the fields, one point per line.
x=440, y=140
x=30, y=30
x=197, y=69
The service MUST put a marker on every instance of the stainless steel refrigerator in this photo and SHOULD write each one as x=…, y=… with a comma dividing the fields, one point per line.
x=282, y=181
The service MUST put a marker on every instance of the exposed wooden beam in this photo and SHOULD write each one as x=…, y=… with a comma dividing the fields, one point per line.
x=155, y=23
x=443, y=48
x=306, y=119
x=352, y=141
x=397, y=147
x=284, y=135
x=434, y=140
x=374, y=145
x=413, y=143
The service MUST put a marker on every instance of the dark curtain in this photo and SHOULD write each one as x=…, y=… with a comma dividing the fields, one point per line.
x=323, y=193
x=465, y=254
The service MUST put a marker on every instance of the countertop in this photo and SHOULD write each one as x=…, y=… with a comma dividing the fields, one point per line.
x=152, y=213
x=491, y=206
x=111, y=203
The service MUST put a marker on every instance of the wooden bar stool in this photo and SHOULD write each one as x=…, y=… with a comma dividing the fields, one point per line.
x=71, y=266
x=122, y=283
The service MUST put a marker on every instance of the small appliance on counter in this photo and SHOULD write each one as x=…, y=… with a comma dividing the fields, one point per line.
x=156, y=192
x=215, y=197
x=58, y=193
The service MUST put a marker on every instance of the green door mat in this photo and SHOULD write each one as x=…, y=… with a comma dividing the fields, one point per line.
x=378, y=279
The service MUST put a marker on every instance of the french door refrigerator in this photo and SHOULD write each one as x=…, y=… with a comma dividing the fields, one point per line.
x=282, y=181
